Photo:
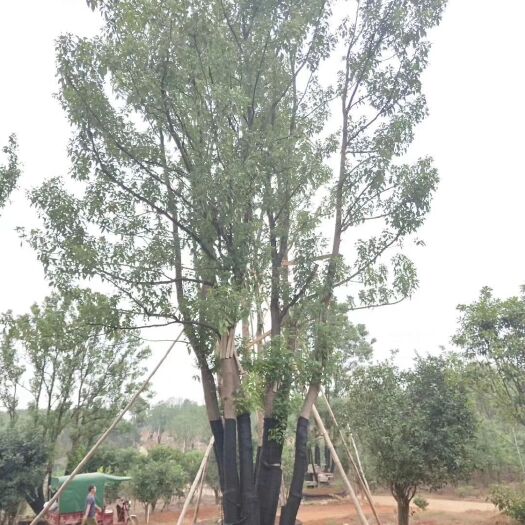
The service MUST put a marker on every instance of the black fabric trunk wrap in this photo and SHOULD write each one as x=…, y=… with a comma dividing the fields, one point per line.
x=231, y=493
x=217, y=429
x=269, y=474
x=289, y=511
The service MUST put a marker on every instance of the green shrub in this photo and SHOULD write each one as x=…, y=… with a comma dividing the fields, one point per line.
x=420, y=502
x=510, y=502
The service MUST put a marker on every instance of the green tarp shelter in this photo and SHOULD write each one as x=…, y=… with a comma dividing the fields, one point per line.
x=73, y=498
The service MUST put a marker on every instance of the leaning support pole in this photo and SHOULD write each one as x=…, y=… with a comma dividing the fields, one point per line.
x=361, y=470
x=201, y=487
x=103, y=437
x=357, y=467
x=328, y=441
x=195, y=483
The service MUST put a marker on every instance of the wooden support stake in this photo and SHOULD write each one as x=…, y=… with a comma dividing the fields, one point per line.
x=361, y=470
x=193, y=487
x=357, y=467
x=337, y=461
x=199, y=497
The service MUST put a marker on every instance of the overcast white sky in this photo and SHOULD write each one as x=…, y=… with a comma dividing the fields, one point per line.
x=474, y=234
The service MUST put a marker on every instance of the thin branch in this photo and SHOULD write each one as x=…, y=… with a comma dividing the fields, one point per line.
x=299, y=294
x=231, y=28
x=146, y=201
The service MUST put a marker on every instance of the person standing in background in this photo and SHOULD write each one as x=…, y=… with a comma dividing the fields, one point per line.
x=91, y=507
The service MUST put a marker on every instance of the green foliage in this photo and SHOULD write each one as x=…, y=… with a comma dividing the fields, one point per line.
x=111, y=460
x=420, y=502
x=76, y=370
x=418, y=425
x=212, y=477
x=22, y=464
x=495, y=453
x=191, y=462
x=10, y=172
x=510, y=502
x=190, y=159
x=185, y=421
x=491, y=333
x=200, y=136
x=158, y=476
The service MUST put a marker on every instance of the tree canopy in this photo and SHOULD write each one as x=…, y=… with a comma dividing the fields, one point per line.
x=417, y=424
x=160, y=475
x=23, y=458
x=76, y=371
x=491, y=333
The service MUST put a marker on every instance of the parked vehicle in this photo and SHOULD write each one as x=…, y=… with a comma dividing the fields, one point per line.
x=72, y=503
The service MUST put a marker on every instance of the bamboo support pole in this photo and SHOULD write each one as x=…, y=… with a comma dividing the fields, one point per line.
x=357, y=466
x=201, y=487
x=328, y=441
x=193, y=487
x=103, y=437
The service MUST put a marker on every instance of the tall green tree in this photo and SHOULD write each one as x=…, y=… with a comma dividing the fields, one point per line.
x=204, y=191
x=491, y=333
x=417, y=425
x=23, y=458
x=76, y=370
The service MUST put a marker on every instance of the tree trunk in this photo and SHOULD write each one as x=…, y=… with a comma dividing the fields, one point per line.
x=217, y=429
x=36, y=500
x=403, y=511
x=257, y=462
x=327, y=459
x=403, y=494
x=49, y=475
x=301, y=454
x=230, y=384
x=289, y=511
x=214, y=416
x=71, y=459
x=314, y=470
x=230, y=497
x=269, y=475
x=317, y=455
x=249, y=502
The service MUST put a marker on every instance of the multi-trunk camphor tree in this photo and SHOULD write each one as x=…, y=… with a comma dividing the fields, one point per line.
x=76, y=371
x=204, y=191
x=417, y=425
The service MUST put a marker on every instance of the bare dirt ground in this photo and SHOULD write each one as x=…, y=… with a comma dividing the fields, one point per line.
x=440, y=511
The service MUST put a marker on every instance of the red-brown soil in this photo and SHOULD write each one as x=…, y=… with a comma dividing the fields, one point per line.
x=332, y=512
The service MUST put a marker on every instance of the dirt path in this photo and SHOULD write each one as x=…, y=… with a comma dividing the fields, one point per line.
x=444, y=505
x=342, y=512
x=317, y=513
